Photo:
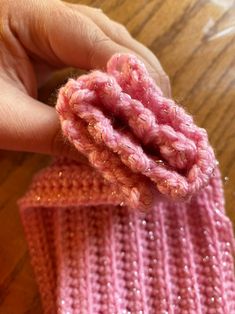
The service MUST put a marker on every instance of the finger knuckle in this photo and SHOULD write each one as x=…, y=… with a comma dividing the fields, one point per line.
x=97, y=41
x=120, y=29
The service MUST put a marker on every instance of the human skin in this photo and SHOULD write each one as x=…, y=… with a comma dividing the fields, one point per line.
x=39, y=37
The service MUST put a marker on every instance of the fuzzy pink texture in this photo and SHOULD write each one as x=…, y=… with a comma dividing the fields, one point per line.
x=181, y=160
x=93, y=248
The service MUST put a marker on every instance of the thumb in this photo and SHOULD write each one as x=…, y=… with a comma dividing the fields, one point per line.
x=29, y=125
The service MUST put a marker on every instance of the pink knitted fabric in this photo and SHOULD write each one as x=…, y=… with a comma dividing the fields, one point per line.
x=142, y=229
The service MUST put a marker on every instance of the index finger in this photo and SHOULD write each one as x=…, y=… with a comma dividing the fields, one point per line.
x=65, y=37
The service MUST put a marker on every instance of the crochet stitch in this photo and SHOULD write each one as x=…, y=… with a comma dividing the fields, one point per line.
x=127, y=92
x=142, y=228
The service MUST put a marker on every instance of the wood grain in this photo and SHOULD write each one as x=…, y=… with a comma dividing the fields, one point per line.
x=187, y=36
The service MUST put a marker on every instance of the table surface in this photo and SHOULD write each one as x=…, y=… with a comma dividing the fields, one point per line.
x=195, y=42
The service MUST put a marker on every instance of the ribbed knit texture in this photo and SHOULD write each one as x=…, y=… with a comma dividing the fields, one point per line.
x=142, y=228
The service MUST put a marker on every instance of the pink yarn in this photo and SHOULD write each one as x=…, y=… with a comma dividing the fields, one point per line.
x=92, y=250
x=181, y=160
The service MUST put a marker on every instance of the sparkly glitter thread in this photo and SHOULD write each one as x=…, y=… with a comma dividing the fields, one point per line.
x=92, y=250
x=123, y=92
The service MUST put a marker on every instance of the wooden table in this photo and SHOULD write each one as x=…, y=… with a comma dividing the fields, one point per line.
x=195, y=42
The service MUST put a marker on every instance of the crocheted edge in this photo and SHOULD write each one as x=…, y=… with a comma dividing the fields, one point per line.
x=100, y=142
x=69, y=183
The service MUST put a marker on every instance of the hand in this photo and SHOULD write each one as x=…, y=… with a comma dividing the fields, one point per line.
x=38, y=37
